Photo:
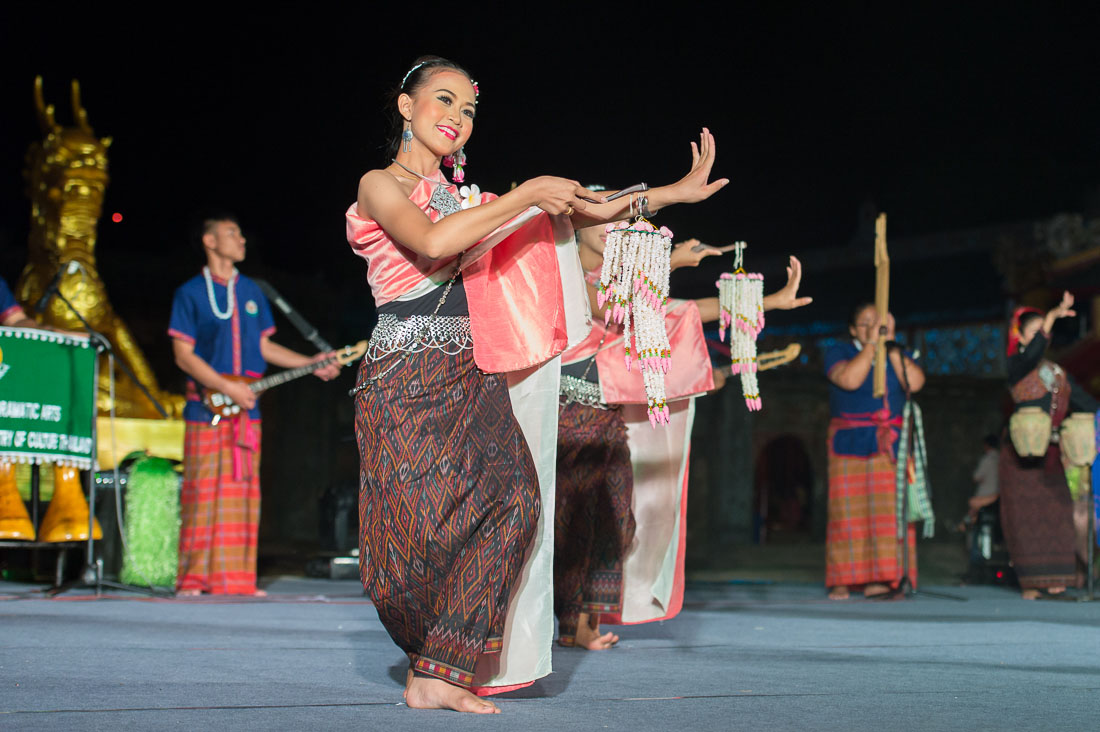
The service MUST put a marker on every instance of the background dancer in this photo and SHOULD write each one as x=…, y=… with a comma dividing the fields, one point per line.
x=1036, y=505
x=449, y=406
x=221, y=325
x=594, y=523
x=861, y=544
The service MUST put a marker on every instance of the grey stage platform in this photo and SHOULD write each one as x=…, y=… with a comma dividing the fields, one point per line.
x=762, y=657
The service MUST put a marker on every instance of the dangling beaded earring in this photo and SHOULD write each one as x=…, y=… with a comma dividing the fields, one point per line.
x=458, y=162
x=634, y=286
x=741, y=305
x=406, y=138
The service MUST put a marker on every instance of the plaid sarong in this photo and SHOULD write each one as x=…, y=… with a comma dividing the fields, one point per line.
x=219, y=509
x=861, y=537
x=593, y=521
x=448, y=505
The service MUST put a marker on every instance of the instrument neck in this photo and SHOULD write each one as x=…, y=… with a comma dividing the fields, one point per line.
x=289, y=375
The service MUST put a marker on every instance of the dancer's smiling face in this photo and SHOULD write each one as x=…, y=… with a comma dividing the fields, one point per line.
x=441, y=112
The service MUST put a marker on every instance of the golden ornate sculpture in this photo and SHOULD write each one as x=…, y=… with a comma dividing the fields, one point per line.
x=66, y=176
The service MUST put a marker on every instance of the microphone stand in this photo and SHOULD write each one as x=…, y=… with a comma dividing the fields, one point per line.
x=308, y=332
x=92, y=576
x=905, y=587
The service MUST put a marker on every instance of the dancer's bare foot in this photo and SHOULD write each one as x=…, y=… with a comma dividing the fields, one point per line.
x=1031, y=594
x=188, y=593
x=1055, y=590
x=438, y=694
x=589, y=637
x=840, y=592
x=875, y=589
x=259, y=593
x=409, y=675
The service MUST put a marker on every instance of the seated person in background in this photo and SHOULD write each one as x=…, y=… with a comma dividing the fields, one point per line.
x=985, y=477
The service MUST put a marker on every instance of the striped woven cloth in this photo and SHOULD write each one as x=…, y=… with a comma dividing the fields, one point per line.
x=913, y=486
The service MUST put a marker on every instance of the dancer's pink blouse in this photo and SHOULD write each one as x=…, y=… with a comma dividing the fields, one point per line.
x=511, y=277
x=690, y=374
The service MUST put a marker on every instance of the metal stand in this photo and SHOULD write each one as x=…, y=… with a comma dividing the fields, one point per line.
x=905, y=587
x=92, y=576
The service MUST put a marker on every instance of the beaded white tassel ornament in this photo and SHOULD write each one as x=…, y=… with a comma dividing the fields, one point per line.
x=633, y=290
x=741, y=302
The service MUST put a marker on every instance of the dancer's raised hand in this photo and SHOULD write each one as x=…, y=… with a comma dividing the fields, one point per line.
x=689, y=253
x=696, y=185
x=787, y=298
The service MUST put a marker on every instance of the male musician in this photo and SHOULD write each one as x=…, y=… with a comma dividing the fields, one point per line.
x=11, y=314
x=221, y=327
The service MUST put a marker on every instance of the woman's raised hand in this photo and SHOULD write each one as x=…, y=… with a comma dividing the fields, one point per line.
x=1065, y=308
x=694, y=186
x=557, y=195
x=787, y=298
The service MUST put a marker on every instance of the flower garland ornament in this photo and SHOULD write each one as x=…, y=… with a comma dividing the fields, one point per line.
x=633, y=289
x=229, y=292
x=741, y=305
x=470, y=195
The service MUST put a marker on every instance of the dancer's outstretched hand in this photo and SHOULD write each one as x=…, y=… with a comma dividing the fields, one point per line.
x=689, y=253
x=787, y=298
x=696, y=185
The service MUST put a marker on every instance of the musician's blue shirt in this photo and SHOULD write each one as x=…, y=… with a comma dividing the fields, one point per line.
x=230, y=346
x=8, y=304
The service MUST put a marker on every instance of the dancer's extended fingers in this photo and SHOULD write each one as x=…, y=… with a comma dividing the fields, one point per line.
x=794, y=273
x=694, y=155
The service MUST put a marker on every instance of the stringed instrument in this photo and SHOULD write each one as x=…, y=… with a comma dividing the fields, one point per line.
x=223, y=406
x=771, y=359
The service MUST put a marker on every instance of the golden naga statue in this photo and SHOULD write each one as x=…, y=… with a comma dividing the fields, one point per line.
x=66, y=178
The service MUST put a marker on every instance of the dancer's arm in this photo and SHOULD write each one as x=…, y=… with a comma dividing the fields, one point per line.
x=383, y=199
x=784, y=299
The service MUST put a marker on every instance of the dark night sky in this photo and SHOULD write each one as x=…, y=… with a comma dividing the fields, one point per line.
x=959, y=116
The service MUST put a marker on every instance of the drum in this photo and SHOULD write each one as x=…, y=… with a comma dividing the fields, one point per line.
x=1030, y=428
x=1078, y=438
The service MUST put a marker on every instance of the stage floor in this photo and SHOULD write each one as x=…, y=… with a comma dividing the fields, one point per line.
x=741, y=656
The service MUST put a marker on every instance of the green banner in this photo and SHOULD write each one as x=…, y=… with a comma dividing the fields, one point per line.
x=47, y=398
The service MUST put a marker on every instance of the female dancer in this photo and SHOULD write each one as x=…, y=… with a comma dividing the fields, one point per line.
x=1036, y=507
x=468, y=294
x=600, y=571
x=861, y=545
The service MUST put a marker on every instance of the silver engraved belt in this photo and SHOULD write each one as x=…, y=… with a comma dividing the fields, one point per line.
x=450, y=334
x=581, y=391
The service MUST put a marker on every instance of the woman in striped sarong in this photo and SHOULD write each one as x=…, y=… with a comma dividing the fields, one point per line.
x=1036, y=503
x=861, y=545
x=454, y=418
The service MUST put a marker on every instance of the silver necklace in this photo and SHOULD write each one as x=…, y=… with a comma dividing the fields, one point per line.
x=442, y=200
x=229, y=287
